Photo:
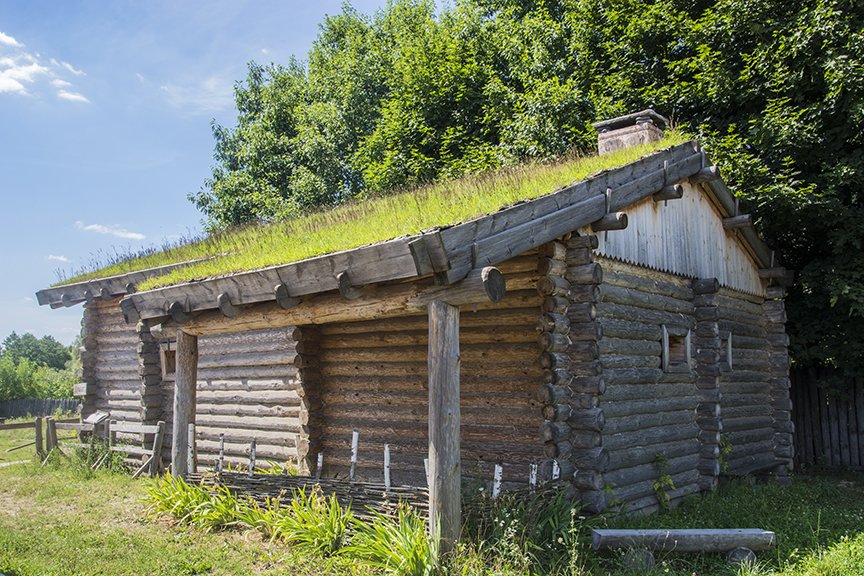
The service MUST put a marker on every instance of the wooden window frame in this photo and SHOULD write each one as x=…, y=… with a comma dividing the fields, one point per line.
x=672, y=339
x=168, y=358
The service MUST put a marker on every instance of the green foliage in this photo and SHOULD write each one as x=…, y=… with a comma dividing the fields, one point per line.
x=399, y=546
x=45, y=351
x=313, y=522
x=664, y=483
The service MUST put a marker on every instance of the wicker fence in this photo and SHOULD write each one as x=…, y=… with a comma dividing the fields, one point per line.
x=829, y=420
x=36, y=407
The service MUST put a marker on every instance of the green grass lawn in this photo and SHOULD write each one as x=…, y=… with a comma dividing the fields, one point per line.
x=64, y=520
x=371, y=220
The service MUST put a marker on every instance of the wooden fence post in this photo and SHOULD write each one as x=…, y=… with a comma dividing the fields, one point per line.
x=445, y=470
x=37, y=423
x=185, y=381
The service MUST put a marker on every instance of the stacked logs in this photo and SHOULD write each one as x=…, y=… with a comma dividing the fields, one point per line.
x=778, y=357
x=309, y=381
x=150, y=371
x=587, y=421
x=708, y=379
x=87, y=352
x=572, y=374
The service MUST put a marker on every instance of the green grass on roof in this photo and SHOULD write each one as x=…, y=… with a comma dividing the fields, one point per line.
x=373, y=220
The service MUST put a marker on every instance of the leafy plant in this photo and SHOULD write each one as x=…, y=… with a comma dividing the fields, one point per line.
x=312, y=521
x=398, y=545
x=664, y=483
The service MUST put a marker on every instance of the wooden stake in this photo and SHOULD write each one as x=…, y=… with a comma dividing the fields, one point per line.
x=445, y=470
x=220, y=463
x=185, y=382
x=252, y=446
x=532, y=477
x=556, y=470
x=496, y=480
x=355, y=444
x=39, y=448
x=387, y=468
x=156, y=462
x=192, y=454
x=320, y=466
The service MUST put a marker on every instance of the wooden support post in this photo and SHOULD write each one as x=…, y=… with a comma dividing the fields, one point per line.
x=192, y=455
x=445, y=470
x=51, y=435
x=40, y=452
x=185, y=381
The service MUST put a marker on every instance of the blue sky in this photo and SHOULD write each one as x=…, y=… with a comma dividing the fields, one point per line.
x=105, y=110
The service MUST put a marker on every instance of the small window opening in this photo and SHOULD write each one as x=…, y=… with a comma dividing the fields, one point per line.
x=676, y=349
x=168, y=358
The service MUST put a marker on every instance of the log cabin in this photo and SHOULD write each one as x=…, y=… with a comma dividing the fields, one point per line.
x=623, y=328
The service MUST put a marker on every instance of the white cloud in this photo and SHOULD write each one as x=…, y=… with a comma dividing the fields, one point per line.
x=211, y=94
x=22, y=71
x=140, y=77
x=115, y=231
x=57, y=258
x=71, y=96
x=72, y=69
x=7, y=40
x=264, y=51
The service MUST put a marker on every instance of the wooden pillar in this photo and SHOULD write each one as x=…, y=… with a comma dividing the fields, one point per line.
x=186, y=379
x=445, y=470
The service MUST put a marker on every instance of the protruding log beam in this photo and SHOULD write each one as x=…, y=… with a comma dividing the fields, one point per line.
x=130, y=313
x=163, y=332
x=445, y=469
x=706, y=174
x=777, y=273
x=481, y=285
x=185, y=383
x=105, y=294
x=178, y=312
x=673, y=192
x=226, y=307
x=346, y=289
x=130, y=288
x=737, y=222
x=706, y=285
x=613, y=221
x=283, y=298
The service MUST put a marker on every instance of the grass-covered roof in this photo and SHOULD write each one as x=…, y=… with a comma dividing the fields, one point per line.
x=369, y=221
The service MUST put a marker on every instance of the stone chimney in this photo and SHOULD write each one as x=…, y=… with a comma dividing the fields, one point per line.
x=631, y=130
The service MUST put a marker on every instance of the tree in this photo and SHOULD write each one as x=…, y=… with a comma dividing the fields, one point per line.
x=45, y=351
x=775, y=90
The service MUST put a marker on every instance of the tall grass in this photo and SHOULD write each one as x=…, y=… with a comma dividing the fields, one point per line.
x=373, y=219
x=397, y=546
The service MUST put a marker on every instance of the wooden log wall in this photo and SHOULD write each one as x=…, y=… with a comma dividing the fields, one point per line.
x=307, y=345
x=247, y=389
x=573, y=426
x=374, y=381
x=708, y=351
x=109, y=361
x=746, y=408
x=778, y=365
x=650, y=413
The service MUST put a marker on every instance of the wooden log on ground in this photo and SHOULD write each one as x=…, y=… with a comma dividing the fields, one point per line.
x=687, y=540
